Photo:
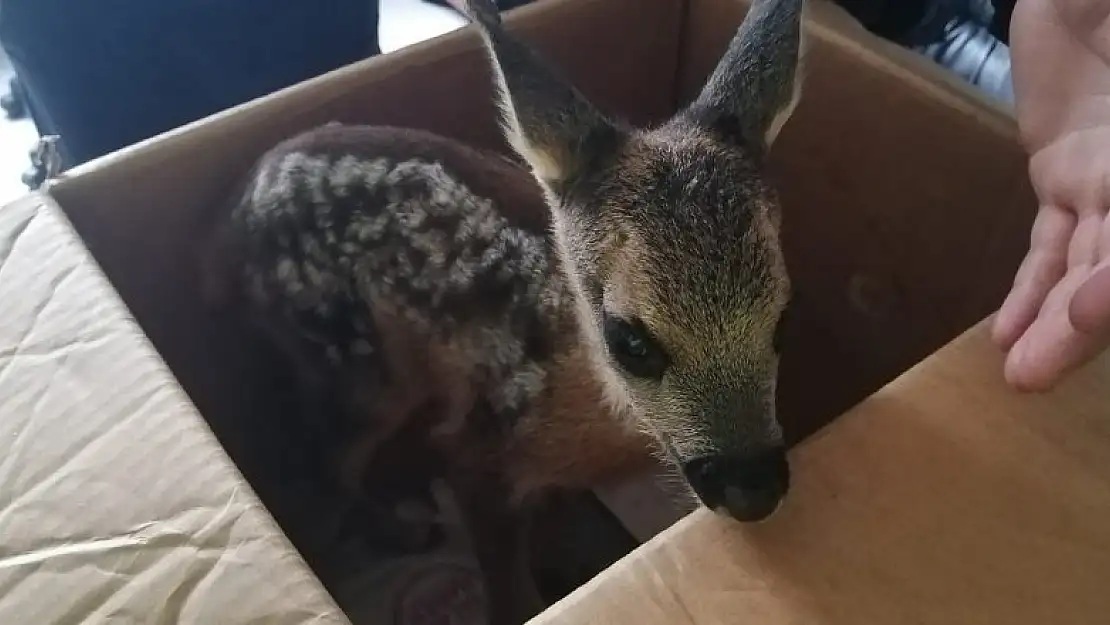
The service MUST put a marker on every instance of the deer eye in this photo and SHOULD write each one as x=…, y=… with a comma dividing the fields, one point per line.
x=633, y=347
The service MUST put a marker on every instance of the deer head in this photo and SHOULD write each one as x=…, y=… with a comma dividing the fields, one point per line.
x=670, y=239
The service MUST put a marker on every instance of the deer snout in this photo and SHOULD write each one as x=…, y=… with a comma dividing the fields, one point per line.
x=748, y=488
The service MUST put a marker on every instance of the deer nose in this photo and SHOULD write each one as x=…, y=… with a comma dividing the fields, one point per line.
x=748, y=488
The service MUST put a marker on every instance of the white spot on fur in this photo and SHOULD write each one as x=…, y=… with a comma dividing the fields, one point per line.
x=262, y=186
x=410, y=214
x=350, y=172
x=522, y=386
x=286, y=269
x=314, y=276
x=367, y=228
x=334, y=355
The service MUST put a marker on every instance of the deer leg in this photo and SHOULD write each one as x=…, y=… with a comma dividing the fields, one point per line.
x=384, y=393
x=499, y=535
x=375, y=415
x=398, y=507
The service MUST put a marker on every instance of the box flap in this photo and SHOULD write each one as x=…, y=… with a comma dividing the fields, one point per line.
x=116, y=502
x=946, y=498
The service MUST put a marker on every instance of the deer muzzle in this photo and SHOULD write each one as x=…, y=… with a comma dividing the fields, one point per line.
x=748, y=488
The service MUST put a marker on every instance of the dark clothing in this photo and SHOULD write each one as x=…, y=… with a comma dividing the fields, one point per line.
x=106, y=73
x=892, y=19
x=1000, y=25
x=897, y=19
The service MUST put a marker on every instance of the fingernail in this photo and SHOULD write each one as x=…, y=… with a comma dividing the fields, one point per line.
x=1021, y=373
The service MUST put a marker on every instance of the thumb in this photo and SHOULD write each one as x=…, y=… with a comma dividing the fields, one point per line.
x=1089, y=309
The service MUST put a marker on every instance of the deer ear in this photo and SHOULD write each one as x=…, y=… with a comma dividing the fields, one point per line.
x=547, y=121
x=757, y=83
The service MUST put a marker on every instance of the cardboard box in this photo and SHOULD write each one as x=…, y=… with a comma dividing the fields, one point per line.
x=944, y=498
x=906, y=211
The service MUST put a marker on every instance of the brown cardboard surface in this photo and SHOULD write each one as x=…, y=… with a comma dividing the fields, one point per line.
x=116, y=502
x=944, y=499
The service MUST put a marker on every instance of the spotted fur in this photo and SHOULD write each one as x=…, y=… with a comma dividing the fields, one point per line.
x=414, y=278
x=333, y=236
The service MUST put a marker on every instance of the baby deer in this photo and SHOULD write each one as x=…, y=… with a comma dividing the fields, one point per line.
x=669, y=238
x=543, y=336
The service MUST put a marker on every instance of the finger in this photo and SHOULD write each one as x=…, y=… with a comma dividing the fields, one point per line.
x=1104, y=238
x=1083, y=247
x=1043, y=266
x=1019, y=309
x=1040, y=367
x=1089, y=309
x=1051, y=347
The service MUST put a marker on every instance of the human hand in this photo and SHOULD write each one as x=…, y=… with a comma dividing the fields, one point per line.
x=1057, y=315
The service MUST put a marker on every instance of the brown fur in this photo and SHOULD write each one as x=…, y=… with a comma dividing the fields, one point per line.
x=670, y=236
x=578, y=444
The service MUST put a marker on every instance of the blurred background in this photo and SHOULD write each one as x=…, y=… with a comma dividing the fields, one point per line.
x=105, y=74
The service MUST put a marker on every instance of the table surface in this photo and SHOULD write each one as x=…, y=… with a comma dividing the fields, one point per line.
x=944, y=499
